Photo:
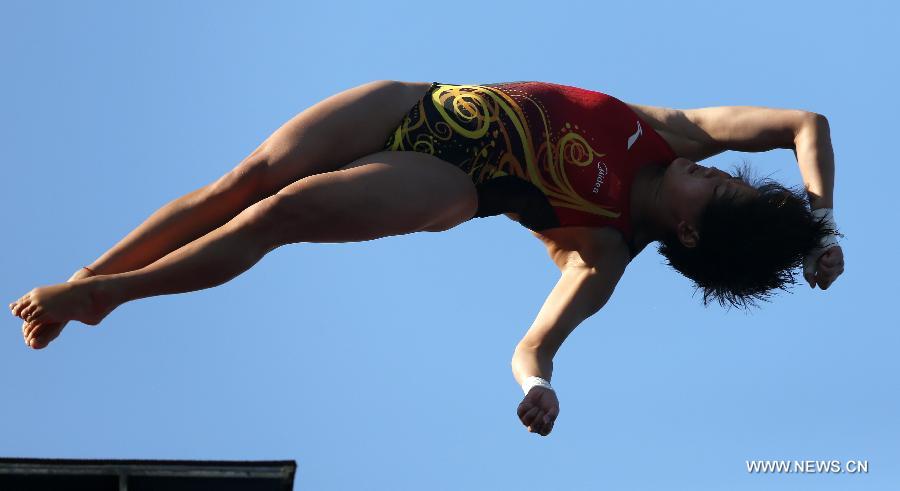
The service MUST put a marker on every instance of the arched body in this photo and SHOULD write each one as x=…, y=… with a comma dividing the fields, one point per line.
x=328, y=175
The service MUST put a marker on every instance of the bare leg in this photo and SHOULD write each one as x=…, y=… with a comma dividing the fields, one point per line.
x=323, y=138
x=205, y=262
x=186, y=218
x=369, y=199
x=175, y=224
x=320, y=139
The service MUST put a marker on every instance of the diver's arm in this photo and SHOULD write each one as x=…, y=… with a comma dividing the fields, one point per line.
x=815, y=156
x=582, y=290
x=757, y=129
x=700, y=133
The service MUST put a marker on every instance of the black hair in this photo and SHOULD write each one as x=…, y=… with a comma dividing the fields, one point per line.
x=748, y=248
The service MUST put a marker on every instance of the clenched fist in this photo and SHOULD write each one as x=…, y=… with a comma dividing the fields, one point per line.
x=822, y=269
x=538, y=410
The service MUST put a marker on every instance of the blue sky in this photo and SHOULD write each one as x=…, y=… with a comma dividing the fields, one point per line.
x=385, y=364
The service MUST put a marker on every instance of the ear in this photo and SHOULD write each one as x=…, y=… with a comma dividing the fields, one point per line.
x=687, y=234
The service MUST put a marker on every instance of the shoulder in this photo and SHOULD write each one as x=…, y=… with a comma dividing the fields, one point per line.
x=673, y=126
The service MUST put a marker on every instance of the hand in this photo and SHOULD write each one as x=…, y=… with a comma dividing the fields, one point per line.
x=538, y=410
x=825, y=269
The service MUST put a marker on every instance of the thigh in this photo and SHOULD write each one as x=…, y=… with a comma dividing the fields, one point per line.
x=382, y=194
x=338, y=130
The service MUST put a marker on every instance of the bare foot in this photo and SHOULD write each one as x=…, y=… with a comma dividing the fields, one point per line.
x=85, y=300
x=40, y=338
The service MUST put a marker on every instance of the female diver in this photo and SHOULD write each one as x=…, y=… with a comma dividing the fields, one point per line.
x=594, y=178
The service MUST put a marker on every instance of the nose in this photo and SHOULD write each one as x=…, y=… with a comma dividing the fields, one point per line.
x=683, y=161
x=713, y=172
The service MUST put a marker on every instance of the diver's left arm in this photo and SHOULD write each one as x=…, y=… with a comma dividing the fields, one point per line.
x=815, y=156
x=704, y=132
x=808, y=135
x=700, y=133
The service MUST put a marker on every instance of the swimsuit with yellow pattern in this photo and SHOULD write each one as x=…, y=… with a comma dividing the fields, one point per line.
x=554, y=154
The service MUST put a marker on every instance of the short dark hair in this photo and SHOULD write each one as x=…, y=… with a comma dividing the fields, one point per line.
x=747, y=249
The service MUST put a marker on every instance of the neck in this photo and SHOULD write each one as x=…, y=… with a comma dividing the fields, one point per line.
x=648, y=219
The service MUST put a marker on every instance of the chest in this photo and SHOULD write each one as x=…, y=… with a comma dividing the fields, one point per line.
x=580, y=246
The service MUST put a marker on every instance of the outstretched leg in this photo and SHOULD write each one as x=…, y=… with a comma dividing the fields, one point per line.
x=320, y=139
x=386, y=193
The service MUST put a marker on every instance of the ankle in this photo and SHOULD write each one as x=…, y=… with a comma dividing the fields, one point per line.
x=105, y=292
x=82, y=274
x=101, y=300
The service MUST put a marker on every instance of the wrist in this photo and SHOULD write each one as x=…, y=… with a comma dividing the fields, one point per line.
x=534, y=381
x=825, y=215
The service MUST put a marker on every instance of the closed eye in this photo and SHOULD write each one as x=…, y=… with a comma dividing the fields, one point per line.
x=734, y=179
x=721, y=189
x=716, y=190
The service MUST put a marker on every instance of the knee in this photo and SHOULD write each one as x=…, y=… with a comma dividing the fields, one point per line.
x=247, y=180
x=281, y=219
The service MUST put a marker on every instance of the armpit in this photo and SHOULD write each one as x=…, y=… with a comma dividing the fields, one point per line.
x=582, y=246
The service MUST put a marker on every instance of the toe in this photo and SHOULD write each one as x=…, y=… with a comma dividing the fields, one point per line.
x=21, y=306
x=36, y=330
x=27, y=311
x=37, y=313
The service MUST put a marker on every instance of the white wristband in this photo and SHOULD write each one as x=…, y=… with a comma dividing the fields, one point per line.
x=534, y=381
x=827, y=217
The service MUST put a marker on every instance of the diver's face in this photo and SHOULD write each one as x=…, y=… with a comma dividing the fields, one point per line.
x=687, y=188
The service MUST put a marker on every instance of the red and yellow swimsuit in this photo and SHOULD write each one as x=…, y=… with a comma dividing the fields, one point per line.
x=554, y=154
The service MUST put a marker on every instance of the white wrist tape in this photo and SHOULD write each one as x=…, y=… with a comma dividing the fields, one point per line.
x=534, y=381
x=827, y=216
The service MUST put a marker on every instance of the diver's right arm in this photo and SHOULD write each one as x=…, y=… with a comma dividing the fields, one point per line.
x=581, y=291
